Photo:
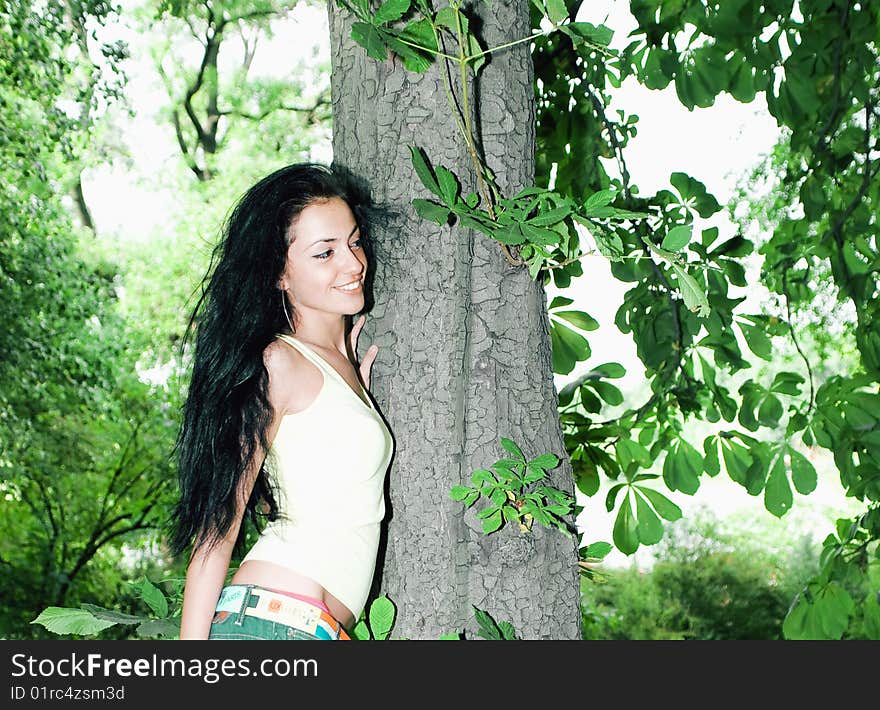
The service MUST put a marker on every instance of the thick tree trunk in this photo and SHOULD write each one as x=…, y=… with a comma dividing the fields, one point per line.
x=464, y=347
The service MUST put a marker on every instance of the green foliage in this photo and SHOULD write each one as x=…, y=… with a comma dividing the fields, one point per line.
x=515, y=493
x=492, y=630
x=540, y=224
x=488, y=629
x=707, y=583
x=75, y=415
x=90, y=620
x=376, y=623
x=825, y=608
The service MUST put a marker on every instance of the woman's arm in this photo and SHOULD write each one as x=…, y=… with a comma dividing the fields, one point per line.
x=204, y=581
x=208, y=568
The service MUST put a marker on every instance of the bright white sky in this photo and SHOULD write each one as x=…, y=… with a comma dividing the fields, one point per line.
x=717, y=146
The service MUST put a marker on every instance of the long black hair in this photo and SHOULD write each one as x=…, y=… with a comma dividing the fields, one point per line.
x=227, y=411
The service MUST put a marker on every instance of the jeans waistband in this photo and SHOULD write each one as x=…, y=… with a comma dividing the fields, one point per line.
x=268, y=604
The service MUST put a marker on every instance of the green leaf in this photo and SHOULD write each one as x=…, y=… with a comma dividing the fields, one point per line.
x=742, y=83
x=451, y=636
x=694, y=296
x=481, y=475
x=556, y=11
x=803, y=474
x=595, y=551
x=737, y=460
x=361, y=632
x=757, y=341
x=459, y=492
x=579, y=319
x=493, y=522
x=559, y=302
x=153, y=597
x=787, y=383
x=554, y=216
x=871, y=615
x=382, y=613
x=665, y=507
x=682, y=468
x=424, y=171
x=608, y=392
x=431, y=211
x=413, y=60
x=117, y=617
x=539, y=235
x=420, y=32
x=586, y=477
x=629, y=451
x=448, y=184
x=597, y=200
x=568, y=347
x=611, y=370
x=830, y=611
x=612, y=495
x=600, y=35
x=167, y=628
x=625, y=533
x=677, y=238
x=508, y=633
x=711, y=464
x=770, y=411
x=391, y=10
x=777, y=492
x=510, y=446
x=488, y=628
x=475, y=49
x=61, y=620
x=369, y=38
x=650, y=529
x=545, y=461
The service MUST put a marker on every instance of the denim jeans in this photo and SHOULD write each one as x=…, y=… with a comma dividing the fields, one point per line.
x=232, y=623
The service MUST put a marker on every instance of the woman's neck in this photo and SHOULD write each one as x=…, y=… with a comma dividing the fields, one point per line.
x=328, y=333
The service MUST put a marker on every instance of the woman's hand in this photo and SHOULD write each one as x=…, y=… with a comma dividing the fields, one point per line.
x=369, y=356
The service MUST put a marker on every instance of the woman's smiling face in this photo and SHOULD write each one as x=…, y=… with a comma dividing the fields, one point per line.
x=326, y=264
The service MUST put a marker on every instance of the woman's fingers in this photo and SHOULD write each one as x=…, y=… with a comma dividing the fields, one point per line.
x=367, y=364
x=369, y=357
x=355, y=332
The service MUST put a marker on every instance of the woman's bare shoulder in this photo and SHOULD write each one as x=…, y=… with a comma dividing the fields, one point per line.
x=293, y=381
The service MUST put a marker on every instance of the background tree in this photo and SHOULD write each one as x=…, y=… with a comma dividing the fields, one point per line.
x=210, y=101
x=464, y=353
x=74, y=470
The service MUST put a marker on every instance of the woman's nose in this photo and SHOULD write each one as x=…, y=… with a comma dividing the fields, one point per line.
x=357, y=259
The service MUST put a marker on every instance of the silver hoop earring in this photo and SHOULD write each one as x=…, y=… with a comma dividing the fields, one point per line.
x=286, y=315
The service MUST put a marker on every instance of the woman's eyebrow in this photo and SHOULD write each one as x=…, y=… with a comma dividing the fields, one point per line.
x=333, y=239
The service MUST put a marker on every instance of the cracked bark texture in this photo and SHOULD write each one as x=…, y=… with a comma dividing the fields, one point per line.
x=464, y=346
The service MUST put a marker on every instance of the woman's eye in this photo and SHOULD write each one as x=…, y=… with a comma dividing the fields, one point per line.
x=356, y=244
x=324, y=254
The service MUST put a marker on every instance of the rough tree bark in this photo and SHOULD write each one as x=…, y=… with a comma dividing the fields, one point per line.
x=464, y=347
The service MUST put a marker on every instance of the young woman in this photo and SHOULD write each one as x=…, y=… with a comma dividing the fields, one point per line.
x=278, y=422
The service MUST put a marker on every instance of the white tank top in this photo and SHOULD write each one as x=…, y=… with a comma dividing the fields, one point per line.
x=329, y=462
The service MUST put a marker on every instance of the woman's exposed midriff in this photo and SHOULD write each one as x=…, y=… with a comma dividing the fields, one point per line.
x=273, y=576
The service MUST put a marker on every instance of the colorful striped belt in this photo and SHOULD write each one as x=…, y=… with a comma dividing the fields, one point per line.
x=282, y=609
